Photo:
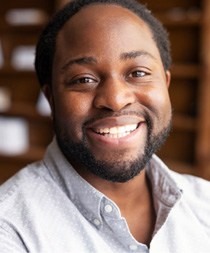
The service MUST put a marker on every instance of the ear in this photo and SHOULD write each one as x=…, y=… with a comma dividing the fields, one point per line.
x=168, y=78
x=47, y=90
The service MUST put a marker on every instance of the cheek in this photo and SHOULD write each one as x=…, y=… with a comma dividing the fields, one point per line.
x=163, y=112
x=71, y=111
x=162, y=101
x=157, y=101
x=160, y=108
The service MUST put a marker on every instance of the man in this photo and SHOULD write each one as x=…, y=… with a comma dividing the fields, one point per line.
x=104, y=68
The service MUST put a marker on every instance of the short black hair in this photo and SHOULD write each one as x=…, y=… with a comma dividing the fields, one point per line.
x=46, y=44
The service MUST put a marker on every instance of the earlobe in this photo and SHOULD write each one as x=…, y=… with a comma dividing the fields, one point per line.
x=46, y=89
x=168, y=78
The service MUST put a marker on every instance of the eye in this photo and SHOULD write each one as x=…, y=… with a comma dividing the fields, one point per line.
x=137, y=73
x=83, y=80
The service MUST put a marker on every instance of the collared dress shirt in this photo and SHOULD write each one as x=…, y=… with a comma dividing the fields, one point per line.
x=48, y=208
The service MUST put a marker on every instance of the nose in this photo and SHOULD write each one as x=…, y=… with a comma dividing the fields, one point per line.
x=114, y=95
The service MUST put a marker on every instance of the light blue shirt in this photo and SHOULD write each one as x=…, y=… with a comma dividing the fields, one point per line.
x=48, y=208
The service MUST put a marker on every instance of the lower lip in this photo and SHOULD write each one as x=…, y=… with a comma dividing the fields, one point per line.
x=121, y=142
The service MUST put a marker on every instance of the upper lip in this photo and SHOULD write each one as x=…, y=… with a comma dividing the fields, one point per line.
x=110, y=122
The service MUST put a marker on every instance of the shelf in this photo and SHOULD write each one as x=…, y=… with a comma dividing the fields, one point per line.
x=175, y=17
x=9, y=71
x=26, y=111
x=9, y=165
x=181, y=167
x=33, y=154
x=10, y=4
x=184, y=122
x=12, y=29
x=180, y=70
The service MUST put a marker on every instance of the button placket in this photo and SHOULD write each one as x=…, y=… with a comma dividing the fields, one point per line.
x=133, y=247
x=108, y=208
x=97, y=222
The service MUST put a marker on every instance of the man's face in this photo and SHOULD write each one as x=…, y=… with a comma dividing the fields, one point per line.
x=109, y=94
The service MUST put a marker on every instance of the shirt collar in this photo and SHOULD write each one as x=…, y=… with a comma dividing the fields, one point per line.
x=85, y=197
x=164, y=186
x=89, y=200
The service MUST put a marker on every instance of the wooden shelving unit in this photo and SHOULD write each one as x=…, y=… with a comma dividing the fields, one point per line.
x=188, y=22
x=22, y=84
x=202, y=149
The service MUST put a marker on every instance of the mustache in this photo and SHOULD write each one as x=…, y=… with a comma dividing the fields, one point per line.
x=107, y=114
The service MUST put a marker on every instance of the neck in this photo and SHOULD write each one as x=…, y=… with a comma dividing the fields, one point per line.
x=124, y=194
x=134, y=199
x=136, y=190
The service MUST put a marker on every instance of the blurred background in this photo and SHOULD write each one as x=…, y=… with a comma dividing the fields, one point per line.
x=25, y=125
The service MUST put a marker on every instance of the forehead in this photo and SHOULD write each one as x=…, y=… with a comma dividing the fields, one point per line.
x=97, y=26
x=104, y=13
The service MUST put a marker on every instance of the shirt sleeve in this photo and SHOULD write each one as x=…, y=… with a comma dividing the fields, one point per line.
x=10, y=242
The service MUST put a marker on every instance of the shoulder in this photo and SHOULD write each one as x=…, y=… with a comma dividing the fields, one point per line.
x=196, y=196
x=25, y=183
x=17, y=195
x=193, y=187
x=194, y=192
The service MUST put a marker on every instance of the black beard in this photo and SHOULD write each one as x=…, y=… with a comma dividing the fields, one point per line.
x=117, y=171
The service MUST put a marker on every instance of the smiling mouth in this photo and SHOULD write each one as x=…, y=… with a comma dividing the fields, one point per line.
x=117, y=132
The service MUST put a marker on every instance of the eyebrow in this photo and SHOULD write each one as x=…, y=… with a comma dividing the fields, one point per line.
x=80, y=61
x=135, y=54
x=91, y=60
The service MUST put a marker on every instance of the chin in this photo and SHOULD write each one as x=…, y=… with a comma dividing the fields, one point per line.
x=119, y=166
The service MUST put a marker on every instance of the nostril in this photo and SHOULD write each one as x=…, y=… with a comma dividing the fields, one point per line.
x=115, y=101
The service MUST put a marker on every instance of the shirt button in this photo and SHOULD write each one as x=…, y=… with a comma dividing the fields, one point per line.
x=108, y=208
x=97, y=222
x=133, y=247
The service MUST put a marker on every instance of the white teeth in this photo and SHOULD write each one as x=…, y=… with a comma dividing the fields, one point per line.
x=121, y=129
x=103, y=131
x=113, y=130
x=131, y=127
x=117, y=132
x=116, y=136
